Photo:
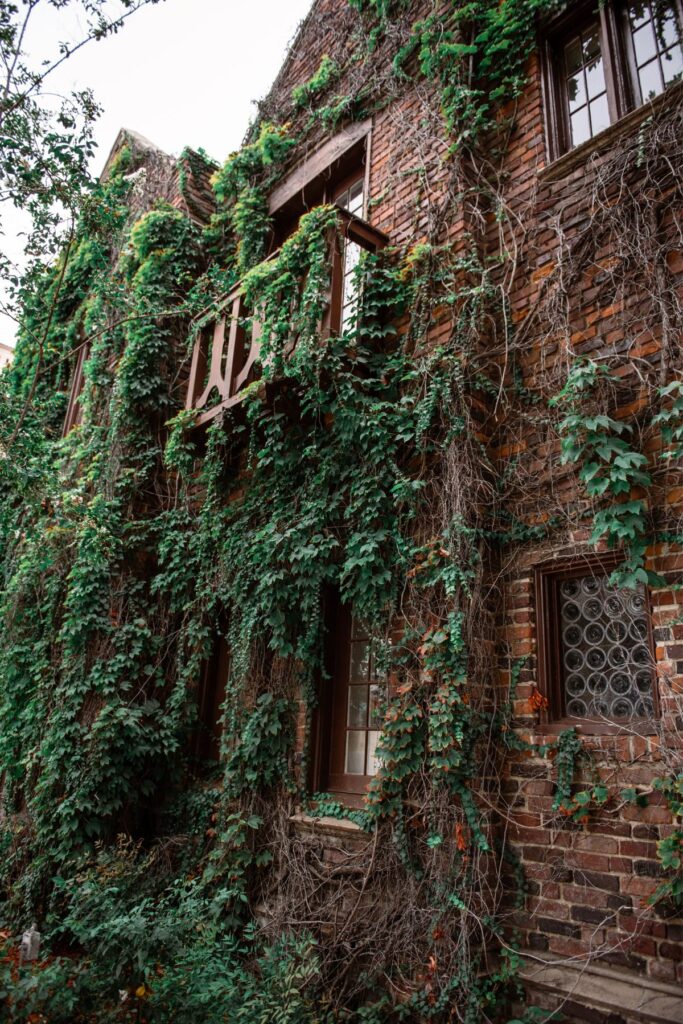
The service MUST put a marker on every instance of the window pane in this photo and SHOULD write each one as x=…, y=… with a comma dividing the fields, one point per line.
x=595, y=77
x=599, y=114
x=377, y=699
x=580, y=126
x=644, y=44
x=573, y=56
x=591, y=44
x=607, y=663
x=576, y=91
x=356, y=199
x=372, y=761
x=639, y=14
x=650, y=80
x=358, y=707
x=360, y=661
x=666, y=27
x=672, y=65
x=355, y=753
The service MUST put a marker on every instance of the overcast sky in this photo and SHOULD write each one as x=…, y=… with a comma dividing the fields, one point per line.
x=181, y=72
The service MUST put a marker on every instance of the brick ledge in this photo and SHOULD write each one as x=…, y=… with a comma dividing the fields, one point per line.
x=605, y=988
x=557, y=170
x=330, y=826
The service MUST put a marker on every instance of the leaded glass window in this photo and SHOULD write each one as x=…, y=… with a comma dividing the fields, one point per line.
x=605, y=653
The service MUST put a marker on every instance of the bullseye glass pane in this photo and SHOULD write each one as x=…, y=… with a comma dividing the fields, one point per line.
x=607, y=665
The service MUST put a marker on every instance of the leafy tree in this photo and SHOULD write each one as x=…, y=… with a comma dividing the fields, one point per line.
x=45, y=142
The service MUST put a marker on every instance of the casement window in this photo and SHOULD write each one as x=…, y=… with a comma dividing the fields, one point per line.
x=352, y=199
x=595, y=647
x=352, y=703
x=206, y=741
x=225, y=355
x=603, y=60
x=74, y=410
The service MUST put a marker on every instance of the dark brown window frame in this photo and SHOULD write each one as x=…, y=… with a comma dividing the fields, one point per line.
x=74, y=410
x=623, y=91
x=549, y=670
x=206, y=738
x=329, y=721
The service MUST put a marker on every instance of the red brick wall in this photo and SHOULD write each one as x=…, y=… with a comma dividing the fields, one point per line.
x=588, y=883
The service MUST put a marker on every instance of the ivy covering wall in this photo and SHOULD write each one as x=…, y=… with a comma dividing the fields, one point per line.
x=361, y=463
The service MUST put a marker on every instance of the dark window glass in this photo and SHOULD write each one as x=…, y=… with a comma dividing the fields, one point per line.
x=606, y=660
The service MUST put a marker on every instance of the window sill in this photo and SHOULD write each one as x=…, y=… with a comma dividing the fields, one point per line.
x=596, y=727
x=560, y=168
x=326, y=825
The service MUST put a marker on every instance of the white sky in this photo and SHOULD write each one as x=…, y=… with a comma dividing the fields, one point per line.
x=181, y=72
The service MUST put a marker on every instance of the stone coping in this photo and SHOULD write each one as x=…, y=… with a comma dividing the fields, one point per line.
x=605, y=988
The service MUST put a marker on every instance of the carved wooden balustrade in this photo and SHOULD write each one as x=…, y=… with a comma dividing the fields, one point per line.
x=225, y=356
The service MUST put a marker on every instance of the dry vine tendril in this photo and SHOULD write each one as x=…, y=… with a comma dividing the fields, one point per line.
x=115, y=573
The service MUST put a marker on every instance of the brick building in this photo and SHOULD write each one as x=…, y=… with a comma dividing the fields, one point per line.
x=576, y=225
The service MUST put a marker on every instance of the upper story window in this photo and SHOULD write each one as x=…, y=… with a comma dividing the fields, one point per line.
x=351, y=199
x=74, y=410
x=595, y=650
x=225, y=357
x=655, y=32
x=602, y=60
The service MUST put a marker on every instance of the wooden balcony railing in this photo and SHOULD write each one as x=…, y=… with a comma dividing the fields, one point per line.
x=225, y=356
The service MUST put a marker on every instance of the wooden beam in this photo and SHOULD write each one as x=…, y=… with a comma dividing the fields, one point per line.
x=314, y=165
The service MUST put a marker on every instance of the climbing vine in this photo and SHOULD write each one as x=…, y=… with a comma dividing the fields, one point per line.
x=357, y=463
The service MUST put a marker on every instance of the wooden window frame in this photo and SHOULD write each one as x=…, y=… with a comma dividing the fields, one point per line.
x=74, y=410
x=329, y=723
x=206, y=738
x=621, y=78
x=549, y=650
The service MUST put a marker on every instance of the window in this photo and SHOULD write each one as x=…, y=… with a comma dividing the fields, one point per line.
x=74, y=410
x=206, y=741
x=655, y=38
x=351, y=199
x=603, y=60
x=595, y=654
x=352, y=705
x=225, y=355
